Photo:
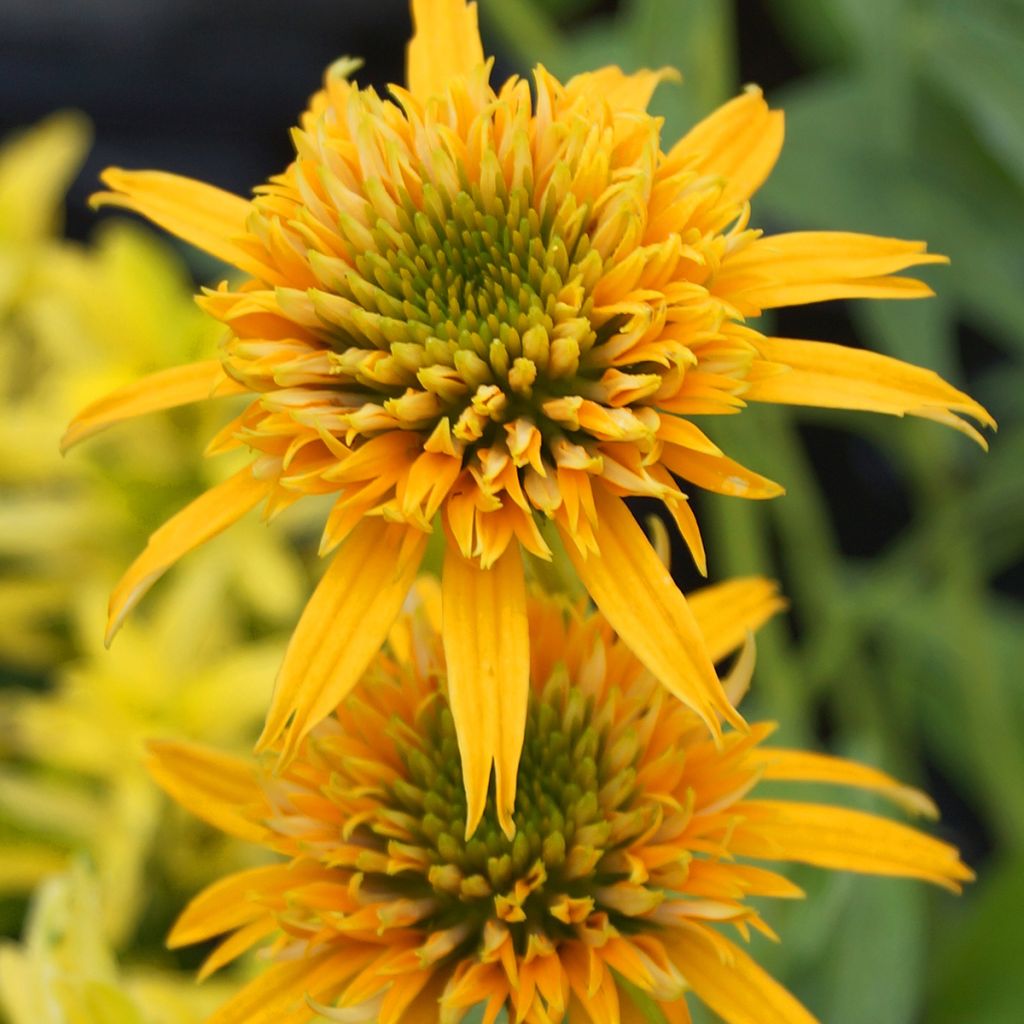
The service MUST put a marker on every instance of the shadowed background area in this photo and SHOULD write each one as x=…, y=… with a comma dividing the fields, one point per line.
x=899, y=545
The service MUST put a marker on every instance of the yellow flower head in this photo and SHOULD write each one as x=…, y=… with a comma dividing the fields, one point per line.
x=501, y=306
x=629, y=866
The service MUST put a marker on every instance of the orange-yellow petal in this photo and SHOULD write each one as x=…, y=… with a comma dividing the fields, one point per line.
x=805, y=766
x=204, y=216
x=719, y=473
x=727, y=612
x=730, y=982
x=845, y=840
x=446, y=45
x=814, y=266
x=621, y=91
x=214, y=786
x=831, y=376
x=229, y=903
x=278, y=995
x=212, y=512
x=740, y=142
x=342, y=627
x=487, y=651
x=167, y=389
x=639, y=599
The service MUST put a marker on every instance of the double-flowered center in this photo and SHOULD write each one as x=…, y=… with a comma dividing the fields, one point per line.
x=571, y=814
x=478, y=307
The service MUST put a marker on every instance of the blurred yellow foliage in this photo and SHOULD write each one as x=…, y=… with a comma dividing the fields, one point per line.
x=64, y=972
x=75, y=321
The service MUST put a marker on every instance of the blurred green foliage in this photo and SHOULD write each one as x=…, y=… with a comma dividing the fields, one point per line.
x=903, y=118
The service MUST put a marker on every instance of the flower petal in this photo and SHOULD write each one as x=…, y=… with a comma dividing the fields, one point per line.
x=831, y=376
x=806, y=766
x=487, y=650
x=727, y=612
x=644, y=606
x=813, y=266
x=342, y=627
x=845, y=840
x=167, y=389
x=719, y=473
x=730, y=982
x=219, y=788
x=204, y=216
x=212, y=512
x=740, y=142
x=446, y=45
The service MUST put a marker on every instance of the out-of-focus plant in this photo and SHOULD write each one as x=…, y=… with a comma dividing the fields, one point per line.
x=74, y=321
x=907, y=121
x=64, y=972
x=78, y=781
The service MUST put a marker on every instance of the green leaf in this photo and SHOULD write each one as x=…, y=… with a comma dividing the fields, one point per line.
x=975, y=57
x=977, y=977
x=873, y=964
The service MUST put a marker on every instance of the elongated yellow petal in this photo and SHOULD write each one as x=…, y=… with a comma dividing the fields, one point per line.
x=342, y=627
x=727, y=612
x=446, y=44
x=813, y=266
x=740, y=142
x=204, y=216
x=730, y=982
x=837, y=377
x=638, y=597
x=212, y=512
x=219, y=788
x=487, y=651
x=229, y=902
x=804, y=766
x=846, y=840
x=719, y=473
x=167, y=389
x=269, y=997
x=225, y=905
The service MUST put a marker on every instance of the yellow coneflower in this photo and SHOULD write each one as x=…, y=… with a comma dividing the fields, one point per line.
x=502, y=307
x=628, y=867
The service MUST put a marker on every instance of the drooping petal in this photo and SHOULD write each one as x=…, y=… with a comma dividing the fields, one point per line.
x=342, y=627
x=831, y=376
x=487, y=650
x=814, y=266
x=719, y=473
x=214, y=786
x=739, y=142
x=204, y=216
x=166, y=389
x=639, y=599
x=805, y=766
x=212, y=512
x=845, y=840
x=731, y=983
x=446, y=45
x=727, y=612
